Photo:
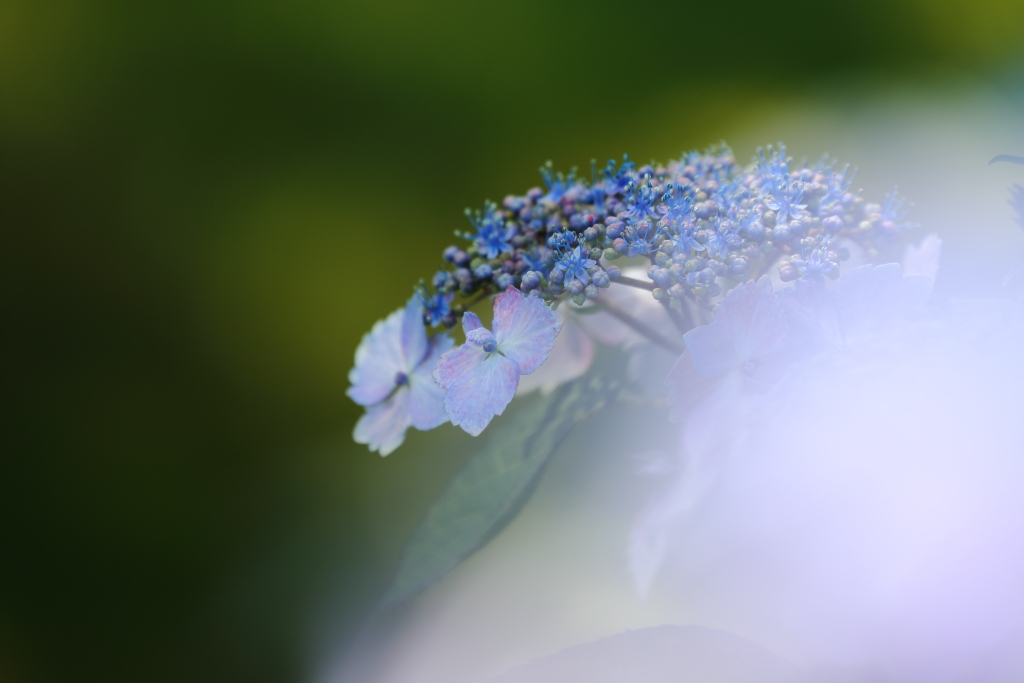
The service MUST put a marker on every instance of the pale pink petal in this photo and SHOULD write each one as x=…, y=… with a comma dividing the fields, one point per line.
x=569, y=359
x=456, y=363
x=470, y=322
x=505, y=306
x=525, y=328
x=378, y=359
x=383, y=426
x=482, y=393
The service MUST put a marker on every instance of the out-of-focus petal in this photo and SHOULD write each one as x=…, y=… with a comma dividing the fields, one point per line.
x=483, y=392
x=923, y=259
x=414, y=335
x=711, y=349
x=456, y=363
x=754, y=319
x=426, y=404
x=813, y=321
x=426, y=400
x=869, y=297
x=383, y=426
x=525, y=328
x=378, y=359
x=571, y=356
x=654, y=532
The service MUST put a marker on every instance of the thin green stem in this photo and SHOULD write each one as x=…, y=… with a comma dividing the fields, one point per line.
x=641, y=327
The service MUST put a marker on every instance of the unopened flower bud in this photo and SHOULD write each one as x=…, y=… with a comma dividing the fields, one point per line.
x=590, y=291
x=611, y=254
x=483, y=271
x=614, y=272
x=531, y=280
x=659, y=294
x=832, y=224
x=620, y=245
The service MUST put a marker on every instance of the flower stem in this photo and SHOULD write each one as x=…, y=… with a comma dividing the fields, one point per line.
x=633, y=282
x=680, y=318
x=642, y=328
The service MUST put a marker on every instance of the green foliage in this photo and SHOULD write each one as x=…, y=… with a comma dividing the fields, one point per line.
x=497, y=481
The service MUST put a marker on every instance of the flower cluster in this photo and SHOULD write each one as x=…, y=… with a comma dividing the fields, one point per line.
x=704, y=222
x=702, y=226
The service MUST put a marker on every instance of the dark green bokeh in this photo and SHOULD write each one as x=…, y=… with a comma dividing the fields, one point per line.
x=203, y=207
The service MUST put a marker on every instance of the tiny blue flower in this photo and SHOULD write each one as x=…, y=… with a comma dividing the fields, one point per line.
x=642, y=238
x=893, y=212
x=493, y=235
x=435, y=306
x=641, y=201
x=557, y=183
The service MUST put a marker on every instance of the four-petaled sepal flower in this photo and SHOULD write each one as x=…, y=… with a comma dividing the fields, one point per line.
x=392, y=378
x=482, y=375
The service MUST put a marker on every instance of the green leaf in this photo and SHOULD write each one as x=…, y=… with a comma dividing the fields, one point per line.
x=495, y=483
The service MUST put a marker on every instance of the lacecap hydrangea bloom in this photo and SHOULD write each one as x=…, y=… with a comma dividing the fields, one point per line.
x=822, y=398
x=692, y=230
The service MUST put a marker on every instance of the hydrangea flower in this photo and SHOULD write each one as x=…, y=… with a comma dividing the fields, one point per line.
x=482, y=375
x=392, y=377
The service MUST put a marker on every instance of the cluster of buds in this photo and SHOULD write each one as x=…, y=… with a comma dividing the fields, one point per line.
x=703, y=223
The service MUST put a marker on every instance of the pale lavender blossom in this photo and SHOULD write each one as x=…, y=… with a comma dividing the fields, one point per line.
x=393, y=379
x=482, y=375
x=748, y=325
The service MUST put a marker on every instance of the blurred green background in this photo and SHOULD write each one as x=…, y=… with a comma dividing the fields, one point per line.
x=203, y=205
